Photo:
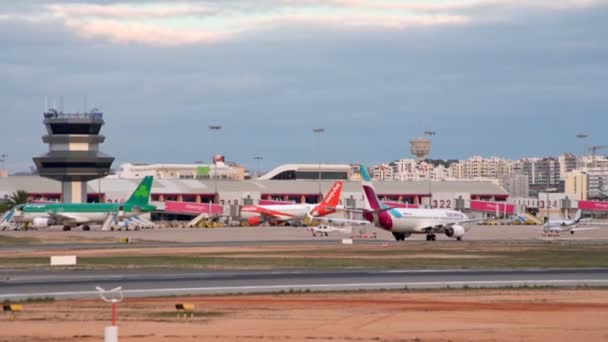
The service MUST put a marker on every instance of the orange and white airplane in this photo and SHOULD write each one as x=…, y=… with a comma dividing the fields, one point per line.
x=257, y=214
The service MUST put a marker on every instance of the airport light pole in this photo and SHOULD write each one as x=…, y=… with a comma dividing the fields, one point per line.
x=259, y=162
x=214, y=129
x=2, y=160
x=430, y=134
x=317, y=132
x=582, y=136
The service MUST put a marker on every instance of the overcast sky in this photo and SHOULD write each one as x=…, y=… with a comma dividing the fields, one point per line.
x=510, y=78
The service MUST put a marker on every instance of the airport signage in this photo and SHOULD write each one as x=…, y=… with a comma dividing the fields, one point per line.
x=61, y=260
x=593, y=205
x=446, y=200
x=492, y=207
x=193, y=208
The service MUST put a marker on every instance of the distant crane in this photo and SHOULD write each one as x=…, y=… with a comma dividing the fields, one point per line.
x=594, y=149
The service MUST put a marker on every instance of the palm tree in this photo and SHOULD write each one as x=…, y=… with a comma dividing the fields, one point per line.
x=16, y=198
x=3, y=207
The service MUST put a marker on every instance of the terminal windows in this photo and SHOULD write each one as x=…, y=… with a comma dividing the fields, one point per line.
x=75, y=165
x=75, y=128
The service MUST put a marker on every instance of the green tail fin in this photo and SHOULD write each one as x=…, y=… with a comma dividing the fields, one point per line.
x=142, y=193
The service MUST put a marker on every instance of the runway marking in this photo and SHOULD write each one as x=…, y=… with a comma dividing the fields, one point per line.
x=364, y=286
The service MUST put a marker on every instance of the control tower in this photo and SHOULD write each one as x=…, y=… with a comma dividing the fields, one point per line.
x=73, y=157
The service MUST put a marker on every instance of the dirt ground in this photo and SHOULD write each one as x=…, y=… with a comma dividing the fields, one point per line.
x=454, y=315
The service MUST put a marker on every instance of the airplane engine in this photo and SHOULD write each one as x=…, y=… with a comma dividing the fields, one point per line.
x=254, y=221
x=40, y=222
x=456, y=231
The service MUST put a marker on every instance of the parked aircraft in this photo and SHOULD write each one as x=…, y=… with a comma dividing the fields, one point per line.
x=403, y=222
x=83, y=214
x=257, y=214
x=324, y=230
x=554, y=227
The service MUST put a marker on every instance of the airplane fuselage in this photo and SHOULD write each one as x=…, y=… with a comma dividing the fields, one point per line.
x=416, y=221
x=559, y=226
x=279, y=212
x=78, y=212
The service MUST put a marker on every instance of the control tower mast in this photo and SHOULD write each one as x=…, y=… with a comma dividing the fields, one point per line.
x=73, y=157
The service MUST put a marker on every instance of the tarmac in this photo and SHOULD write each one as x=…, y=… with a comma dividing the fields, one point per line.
x=243, y=235
x=19, y=284
x=63, y=284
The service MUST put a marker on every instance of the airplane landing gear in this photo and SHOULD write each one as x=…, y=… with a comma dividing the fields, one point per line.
x=431, y=237
x=399, y=236
x=86, y=227
x=459, y=238
x=67, y=228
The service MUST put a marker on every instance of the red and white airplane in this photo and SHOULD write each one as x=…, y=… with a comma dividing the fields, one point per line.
x=257, y=214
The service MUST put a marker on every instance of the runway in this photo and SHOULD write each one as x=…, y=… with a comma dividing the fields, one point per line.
x=62, y=284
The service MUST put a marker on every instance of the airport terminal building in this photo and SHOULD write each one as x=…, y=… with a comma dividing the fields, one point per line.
x=247, y=192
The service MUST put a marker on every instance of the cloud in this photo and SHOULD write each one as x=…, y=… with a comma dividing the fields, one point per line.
x=181, y=23
x=126, y=11
x=167, y=23
x=120, y=32
x=506, y=87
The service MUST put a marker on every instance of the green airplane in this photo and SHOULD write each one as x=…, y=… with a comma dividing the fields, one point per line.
x=83, y=214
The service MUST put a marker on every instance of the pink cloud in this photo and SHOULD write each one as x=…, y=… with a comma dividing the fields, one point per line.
x=141, y=33
x=129, y=23
x=128, y=11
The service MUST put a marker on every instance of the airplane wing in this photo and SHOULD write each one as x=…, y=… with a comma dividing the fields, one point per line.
x=462, y=222
x=441, y=227
x=361, y=211
x=62, y=218
x=339, y=220
x=268, y=215
x=583, y=228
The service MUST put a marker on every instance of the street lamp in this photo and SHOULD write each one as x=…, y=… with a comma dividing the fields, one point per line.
x=214, y=129
x=3, y=159
x=430, y=134
x=317, y=132
x=259, y=160
x=582, y=136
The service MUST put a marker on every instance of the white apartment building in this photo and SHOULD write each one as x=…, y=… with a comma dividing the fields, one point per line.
x=383, y=172
x=549, y=170
x=478, y=167
x=597, y=161
x=410, y=170
x=567, y=162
